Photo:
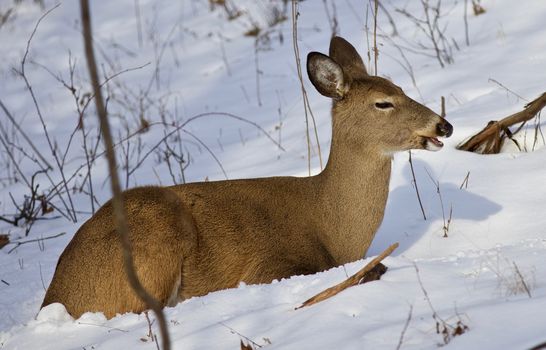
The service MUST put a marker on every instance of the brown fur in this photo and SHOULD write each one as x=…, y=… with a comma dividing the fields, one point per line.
x=193, y=239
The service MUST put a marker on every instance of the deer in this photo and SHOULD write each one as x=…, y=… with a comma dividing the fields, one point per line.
x=192, y=239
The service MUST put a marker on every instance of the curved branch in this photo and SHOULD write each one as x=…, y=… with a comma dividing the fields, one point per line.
x=117, y=200
x=490, y=139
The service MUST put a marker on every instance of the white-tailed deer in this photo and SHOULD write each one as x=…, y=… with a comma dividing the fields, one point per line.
x=189, y=240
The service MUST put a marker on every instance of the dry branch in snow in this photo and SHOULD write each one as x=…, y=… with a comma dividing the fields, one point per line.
x=370, y=272
x=491, y=138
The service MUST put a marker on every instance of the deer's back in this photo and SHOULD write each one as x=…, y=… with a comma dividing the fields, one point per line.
x=253, y=230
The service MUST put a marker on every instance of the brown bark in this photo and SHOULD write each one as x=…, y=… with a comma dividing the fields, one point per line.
x=491, y=138
x=372, y=271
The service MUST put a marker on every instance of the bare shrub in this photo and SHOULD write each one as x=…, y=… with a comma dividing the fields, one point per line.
x=444, y=327
x=511, y=280
x=433, y=25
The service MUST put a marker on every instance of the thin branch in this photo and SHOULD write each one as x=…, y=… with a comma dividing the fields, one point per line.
x=507, y=89
x=20, y=243
x=13, y=160
x=117, y=201
x=306, y=105
x=25, y=136
x=401, y=340
x=416, y=188
x=103, y=326
x=52, y=147
x=425, y=293
x=189, y=120
x=465, y=181
x=389, y=17
x=34, y=32
x=208, y=150
x=522, y=279
x=375, y=50
x=138, y=23
x=241, y=335
x=437, y=185
x=465, y=18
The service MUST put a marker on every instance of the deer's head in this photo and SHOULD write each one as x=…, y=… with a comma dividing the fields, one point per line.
x=371, y=111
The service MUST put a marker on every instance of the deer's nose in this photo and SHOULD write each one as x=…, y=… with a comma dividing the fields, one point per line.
x=443, y=128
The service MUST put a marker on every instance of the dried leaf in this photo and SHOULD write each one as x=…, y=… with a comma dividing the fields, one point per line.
x=4, y=240
x=246, y=346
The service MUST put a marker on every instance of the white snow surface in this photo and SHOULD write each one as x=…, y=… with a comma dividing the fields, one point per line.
x=206, y=64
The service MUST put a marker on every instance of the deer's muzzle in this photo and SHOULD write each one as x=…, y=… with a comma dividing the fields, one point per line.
x=444, y=128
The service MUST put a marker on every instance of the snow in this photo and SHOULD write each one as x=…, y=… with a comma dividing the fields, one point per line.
x=498, y=228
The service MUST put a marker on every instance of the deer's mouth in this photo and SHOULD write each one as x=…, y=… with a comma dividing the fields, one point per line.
x=431, y=143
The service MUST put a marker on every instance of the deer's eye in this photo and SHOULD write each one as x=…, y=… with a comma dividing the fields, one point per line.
x=384, y=105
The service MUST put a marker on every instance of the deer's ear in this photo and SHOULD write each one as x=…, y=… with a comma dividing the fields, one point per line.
x=347, y=57
x=326, y=75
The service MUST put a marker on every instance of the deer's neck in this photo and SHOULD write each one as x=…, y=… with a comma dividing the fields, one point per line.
x=354, y=188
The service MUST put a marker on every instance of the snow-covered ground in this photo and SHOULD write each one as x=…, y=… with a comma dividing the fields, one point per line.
x=200, y=62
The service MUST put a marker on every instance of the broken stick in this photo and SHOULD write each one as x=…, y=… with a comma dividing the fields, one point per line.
x=491, y=138
x=353, y=280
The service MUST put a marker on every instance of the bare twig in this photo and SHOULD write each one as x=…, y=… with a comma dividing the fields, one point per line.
x=507, y=89
x=167, y=135
x=159, y=58
x=416, y=188
x=241, y=335
x=351, y=281
x=443, y=328
x=403, y=62
x=367, y=30
x=25, y=136
x=41, y=276
x=70, y=210
x=15, y=163
x=332, y=19
x=306, y=105
x=430, y=27
x=189, y=120
x=522, y=279
x=435, y=316
x=401, y=340
x=209, y=151
x=224, y=55
x=103, y=326
x=20, y=243
x=138, y=23
x=117, y=201
x=33, y=205
x=258, y=71
x=465, y=17
x=448, y=222
x=465, y=181
x=150, y=334
x=375, y=51
x=389, y=17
